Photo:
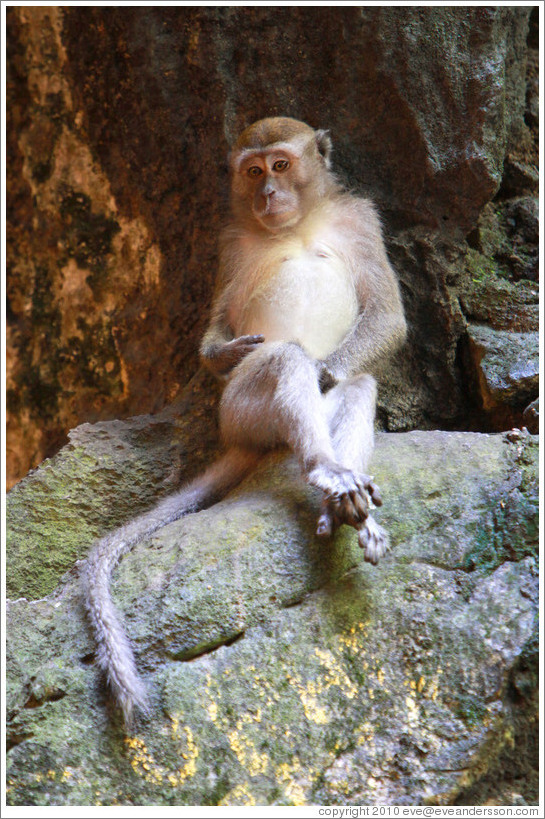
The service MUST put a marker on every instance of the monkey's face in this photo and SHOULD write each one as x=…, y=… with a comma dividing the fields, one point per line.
x=276, y=185
x=271, y=186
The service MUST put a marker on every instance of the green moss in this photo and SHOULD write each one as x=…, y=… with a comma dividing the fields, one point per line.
x=481, y=268
x=511, y=532
x=471, y=710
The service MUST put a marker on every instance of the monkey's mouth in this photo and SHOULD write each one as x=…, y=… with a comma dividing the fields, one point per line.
x=277, y=217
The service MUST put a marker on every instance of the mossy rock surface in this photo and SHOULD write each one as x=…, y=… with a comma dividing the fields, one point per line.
x=283, y=670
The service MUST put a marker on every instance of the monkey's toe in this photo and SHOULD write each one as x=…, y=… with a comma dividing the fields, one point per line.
x=373, y=491
x=328, y=522
x=324, y=526
x=351, y=507
x=374, y=540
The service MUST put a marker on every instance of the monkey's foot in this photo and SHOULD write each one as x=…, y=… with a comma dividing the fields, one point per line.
x=346, y=498
x=374, y=540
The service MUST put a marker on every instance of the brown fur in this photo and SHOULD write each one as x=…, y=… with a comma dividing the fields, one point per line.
x=267, y=131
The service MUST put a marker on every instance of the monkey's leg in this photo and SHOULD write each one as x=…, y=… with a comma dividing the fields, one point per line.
x=273, y=398
x=350, y=408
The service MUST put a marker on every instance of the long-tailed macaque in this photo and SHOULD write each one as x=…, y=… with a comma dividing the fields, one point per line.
x=306, y=307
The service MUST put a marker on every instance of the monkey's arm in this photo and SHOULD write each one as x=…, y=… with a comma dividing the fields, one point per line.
x=378, y=332
x=380, y=328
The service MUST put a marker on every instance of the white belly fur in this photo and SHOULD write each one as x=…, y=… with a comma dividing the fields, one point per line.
x=310, y=299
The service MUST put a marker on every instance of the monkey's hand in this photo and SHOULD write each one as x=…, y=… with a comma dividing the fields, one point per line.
x=225, y=357
x=326, y=379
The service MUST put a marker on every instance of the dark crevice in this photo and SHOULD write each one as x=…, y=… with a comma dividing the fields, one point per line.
x=15, y=739
x=51, y=696
x=296, y=601
x=88, y=659
x=200, y=651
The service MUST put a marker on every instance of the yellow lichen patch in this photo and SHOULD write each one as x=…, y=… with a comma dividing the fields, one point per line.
x=313, y=710
x=238, y=796
x=412, y=710
x=213, y=706
x=249, y=717
x=295, y=793
x=354, y=638
x=365, y=734
x=285, y=777
x=190, y=752
x=246, y=753
x=309, y=693
x=429, y=689
x=143, y=763
x=336, y=674
x=264, y=688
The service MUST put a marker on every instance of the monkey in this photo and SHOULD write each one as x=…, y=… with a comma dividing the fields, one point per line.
x=305, y=310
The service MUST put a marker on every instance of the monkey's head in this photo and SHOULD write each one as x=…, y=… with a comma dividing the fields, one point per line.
x=280, y=169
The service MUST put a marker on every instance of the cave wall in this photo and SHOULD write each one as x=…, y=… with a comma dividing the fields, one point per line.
x=119, y=121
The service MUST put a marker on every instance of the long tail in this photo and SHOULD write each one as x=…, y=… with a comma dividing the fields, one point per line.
x=114, y=653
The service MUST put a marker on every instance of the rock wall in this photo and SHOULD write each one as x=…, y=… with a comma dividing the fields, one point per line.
x=119, y=123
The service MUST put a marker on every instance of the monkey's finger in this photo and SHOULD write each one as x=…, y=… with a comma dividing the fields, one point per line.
x=374, y=492
x=363, y=537
x=373, y=540
x=370, y=556
x=361, y=483
x=361, y=505
x=257, y=339
x=366, y=542
x=346, y=511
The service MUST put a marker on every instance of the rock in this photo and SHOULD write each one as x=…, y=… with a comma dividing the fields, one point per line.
x=500, y=303
x=519, y=177
x=148, y=456
x=505, y=241
x=508, y=365
x=284, y=670
x=119, y=124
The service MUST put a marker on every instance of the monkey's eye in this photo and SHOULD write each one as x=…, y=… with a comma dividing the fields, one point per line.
x=280, y=165
x=254, y=171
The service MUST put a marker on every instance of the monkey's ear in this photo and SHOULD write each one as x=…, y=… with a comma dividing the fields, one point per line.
x=324, y=145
